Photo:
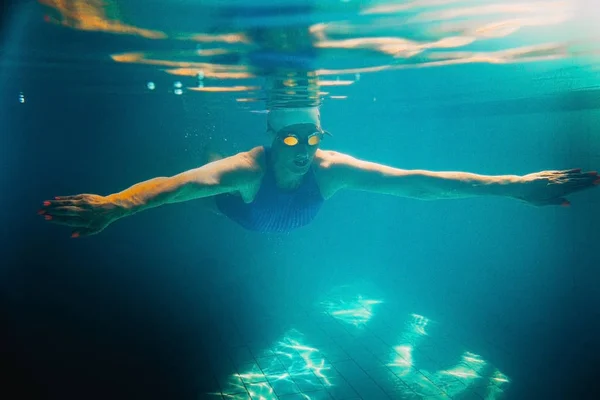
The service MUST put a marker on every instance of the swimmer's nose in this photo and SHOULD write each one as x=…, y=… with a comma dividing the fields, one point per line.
x=302, y=152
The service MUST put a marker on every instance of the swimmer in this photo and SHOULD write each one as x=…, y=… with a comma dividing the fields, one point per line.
x=281, y=187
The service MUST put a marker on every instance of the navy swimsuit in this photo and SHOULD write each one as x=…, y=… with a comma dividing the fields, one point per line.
x=274, y=210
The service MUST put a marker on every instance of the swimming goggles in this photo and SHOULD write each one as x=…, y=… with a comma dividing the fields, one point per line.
x=290, y=139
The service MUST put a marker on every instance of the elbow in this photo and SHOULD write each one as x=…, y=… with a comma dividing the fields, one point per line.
x=194, y=189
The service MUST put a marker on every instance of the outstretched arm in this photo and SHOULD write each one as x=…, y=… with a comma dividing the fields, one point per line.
x=223, y=176
x=89, y=214
x=542, y=188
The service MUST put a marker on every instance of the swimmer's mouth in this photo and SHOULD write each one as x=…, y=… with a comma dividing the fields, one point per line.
x=302, y=162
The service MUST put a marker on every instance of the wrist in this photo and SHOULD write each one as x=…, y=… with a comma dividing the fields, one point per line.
x=123, y=207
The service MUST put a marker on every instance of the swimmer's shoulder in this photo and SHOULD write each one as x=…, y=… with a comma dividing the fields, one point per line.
x=243, y=170
x=255, y=159
x=326, y=165
x=251, y=164
x=327, y=160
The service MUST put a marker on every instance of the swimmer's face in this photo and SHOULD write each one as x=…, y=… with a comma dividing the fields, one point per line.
x=296, y=146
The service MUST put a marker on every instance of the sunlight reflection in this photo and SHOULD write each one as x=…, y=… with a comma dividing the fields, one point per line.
x=349, y=308
x=415, y=363
x=287, y=365
x=208, y=74
x=341, y=38
x=94, y=15
x=468, y=374
x=405, y=6
x=224, y=89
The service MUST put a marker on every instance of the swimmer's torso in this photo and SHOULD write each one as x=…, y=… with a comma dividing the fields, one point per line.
x=264, y=207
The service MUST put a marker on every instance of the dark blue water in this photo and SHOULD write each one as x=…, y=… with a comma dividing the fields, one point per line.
x=151, y=307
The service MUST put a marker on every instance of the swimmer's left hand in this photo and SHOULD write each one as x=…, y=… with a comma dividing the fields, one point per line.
x=550, y=188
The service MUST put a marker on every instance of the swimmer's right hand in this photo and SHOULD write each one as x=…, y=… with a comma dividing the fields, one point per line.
x=87, y=214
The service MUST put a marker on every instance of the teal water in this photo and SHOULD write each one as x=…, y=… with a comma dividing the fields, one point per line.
x=380, y=297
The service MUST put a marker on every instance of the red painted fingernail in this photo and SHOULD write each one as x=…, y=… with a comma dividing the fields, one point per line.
x=566, y=203
x=46, y=203
x=56, y=198
x=41, y=212
x=48, y=217
x=597, y=181
x=75, y=235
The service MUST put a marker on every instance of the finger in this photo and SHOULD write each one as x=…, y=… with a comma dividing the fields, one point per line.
x=60, y=203
x=73, y=197
x=561, y=201
x=593, y=175
x=68, y=221
x=577, y=174
x=557, y=201
x=84, y=232
x=584, y=182
x=65, y=211
x=577, y=179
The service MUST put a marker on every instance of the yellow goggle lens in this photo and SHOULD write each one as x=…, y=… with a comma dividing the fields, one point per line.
x=314, y=140
x=290, y=140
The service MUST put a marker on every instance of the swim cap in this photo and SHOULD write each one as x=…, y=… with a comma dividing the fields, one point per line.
x=279, y=118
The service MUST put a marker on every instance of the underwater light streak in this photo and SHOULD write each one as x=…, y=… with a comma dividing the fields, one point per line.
x=467, y=371
x=193, y=72
x=382, y=37
x=230, y=38
x=395, y=8
x=248, y=100
x=559, y=7
x=355, y=311
x=500, y=377
x=262, y=385
x=304, y=362
x=229, y=89
x=498, y=29
x=446, y=382
x=336, y=83
x=419, y=323
x=402, y=362
x=307, y=351
x=90, y=15
x=542, y=52
x=402, y=359
x=295, y=361
x=141, y=58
